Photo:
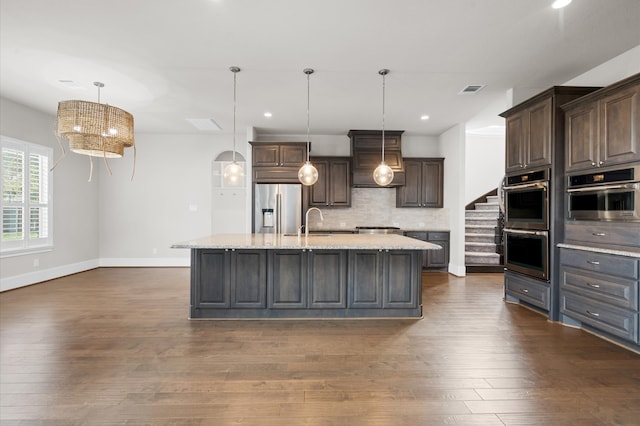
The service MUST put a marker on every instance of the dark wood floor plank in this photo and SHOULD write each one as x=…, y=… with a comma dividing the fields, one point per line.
x=114, y=346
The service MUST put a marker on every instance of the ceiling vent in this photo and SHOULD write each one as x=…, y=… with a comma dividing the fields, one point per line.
x=472, y=88
x=204, y=124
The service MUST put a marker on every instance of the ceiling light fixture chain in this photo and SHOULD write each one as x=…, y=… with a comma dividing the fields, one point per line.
x=308, y=174
x=233, y=173
x=383, y=174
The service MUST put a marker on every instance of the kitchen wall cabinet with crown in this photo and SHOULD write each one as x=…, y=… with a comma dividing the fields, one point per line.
x=423, y=185
x=603, y=128
x=532, y=128
x=333, y=188
x=277, y=162
x=366, y=154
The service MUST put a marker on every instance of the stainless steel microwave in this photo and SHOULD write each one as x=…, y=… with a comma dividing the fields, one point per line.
x=612, y=195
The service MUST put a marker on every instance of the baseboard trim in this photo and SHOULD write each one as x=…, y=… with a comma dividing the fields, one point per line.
x=39, y=276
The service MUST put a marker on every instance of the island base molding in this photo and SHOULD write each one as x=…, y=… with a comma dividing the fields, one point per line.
x=302, y=314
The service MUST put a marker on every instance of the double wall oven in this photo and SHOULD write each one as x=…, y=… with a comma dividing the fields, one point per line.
x=526, y=231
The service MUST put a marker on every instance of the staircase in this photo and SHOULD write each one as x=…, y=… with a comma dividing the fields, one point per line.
x=482, y=254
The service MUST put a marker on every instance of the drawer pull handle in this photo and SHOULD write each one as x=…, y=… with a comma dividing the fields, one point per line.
x=599, y=234
x=593, y=262
x=595, y=314
x=524, y=290
x=593, y=285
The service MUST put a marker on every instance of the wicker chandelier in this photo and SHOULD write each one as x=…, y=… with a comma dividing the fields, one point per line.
x=95, y=129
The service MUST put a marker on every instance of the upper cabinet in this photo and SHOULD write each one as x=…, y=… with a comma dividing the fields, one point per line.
x=529, y=137
x=277, y=162
x=333, y=188
x=366, y=153
x=424, y=183
x=603, y=129
x=534, y=127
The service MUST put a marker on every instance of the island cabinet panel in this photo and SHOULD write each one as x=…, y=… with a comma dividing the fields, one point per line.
x=248, y=279
x=398, y=269
x=211, y=278
x=327, y=279
x=287, y=280
x=365, y=279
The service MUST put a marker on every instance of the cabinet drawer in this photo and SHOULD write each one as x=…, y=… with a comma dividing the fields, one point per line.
x=527, y=290
x=609, y=264
x=603, y=234
x=613, y=320
x=438, y=236
x=621, y=292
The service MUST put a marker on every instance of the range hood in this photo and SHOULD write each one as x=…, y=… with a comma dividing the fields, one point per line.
x=366, y=153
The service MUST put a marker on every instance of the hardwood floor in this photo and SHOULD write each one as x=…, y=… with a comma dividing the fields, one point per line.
x=114, y=346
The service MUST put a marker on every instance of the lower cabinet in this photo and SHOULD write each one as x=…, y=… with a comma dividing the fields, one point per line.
x=601, y=290
x=433, y=259
x=378, y=279
x=228, y=279
x=521, y=288
x=307, y=279
x=305, y=283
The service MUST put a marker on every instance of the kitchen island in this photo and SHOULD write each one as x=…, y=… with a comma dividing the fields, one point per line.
x=256, y=276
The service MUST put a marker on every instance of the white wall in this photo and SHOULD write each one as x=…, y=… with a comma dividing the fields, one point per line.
x=484, y=164
x=75, y=205
x=170, y=199
x=452, y=147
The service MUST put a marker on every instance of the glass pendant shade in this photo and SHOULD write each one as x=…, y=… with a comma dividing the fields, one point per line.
x=383, y=174
x=233, y=175
x=308, y=174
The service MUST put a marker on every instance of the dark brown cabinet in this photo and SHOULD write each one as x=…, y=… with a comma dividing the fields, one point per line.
x=375, y=279
x=333, y=188
x=535, y=128
x=424, y=183
x=433, y=259
x=366, y=154
x=528, y=135
x=277, y=162
x=603, y=129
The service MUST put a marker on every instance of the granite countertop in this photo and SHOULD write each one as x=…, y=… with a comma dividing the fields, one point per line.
x=635, y=254
x=324, y=241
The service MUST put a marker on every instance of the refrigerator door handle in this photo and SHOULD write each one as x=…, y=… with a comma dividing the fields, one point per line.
x=278, y=213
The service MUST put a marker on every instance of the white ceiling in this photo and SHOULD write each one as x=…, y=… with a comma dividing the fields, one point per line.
x=168, y=60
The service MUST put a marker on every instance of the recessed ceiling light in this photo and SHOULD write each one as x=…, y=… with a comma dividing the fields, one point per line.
x=424, y=117
x=204, y=124
x=268, y=114
x=559, y=4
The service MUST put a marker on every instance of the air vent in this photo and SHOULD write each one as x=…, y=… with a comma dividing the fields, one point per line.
x=472, y=88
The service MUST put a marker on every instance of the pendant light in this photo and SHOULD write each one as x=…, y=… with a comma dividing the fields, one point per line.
x=383, y=174
x=308, y=175
x=233, y=173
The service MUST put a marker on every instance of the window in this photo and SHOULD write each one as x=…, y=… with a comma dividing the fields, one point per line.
x=26, y=188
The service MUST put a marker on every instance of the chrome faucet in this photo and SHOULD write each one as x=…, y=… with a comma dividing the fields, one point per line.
x=306, y=220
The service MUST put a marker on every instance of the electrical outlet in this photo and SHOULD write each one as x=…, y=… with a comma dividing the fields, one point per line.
x=193, y=207
x=396, y=224
x=343, y=225
x=155, y=250
x=319, y=224
x=36, y=262
x=421, y=224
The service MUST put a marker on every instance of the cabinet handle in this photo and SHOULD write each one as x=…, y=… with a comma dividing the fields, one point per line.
x=524, y=290
x=593, y=285
x=599, y=234
x=593, y=262
x=594, y=314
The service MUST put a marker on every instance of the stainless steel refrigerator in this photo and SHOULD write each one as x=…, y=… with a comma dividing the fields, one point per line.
x=277, y=208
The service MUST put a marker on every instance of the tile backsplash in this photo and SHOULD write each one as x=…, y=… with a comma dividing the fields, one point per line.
x=377, y=207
